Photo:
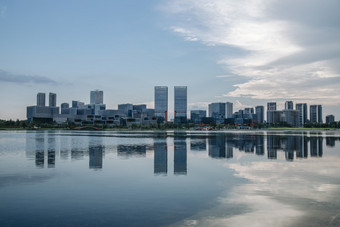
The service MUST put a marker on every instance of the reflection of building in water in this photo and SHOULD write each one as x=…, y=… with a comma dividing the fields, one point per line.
x=51, y=151
x=77, y=153
x=40, y=149
x=330, y=141
x=260, y=145
x=288, y=144
x=133, y=150
x=313, y=147
x=198, y=144
x=320, y=143
x=289, y=154
x=39, y=158
x=51, y=158
x=230, y=151
x=316, y=146
x=301, y=147
x=160, y=156
x=273, y=143
x=217, y=146
x=180, y=155
x=64, y=147
x=96, y=150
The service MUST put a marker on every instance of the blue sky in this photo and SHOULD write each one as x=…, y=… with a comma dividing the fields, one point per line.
x=246, y=52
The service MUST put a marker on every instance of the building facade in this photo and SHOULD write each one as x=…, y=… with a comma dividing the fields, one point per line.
x=41, y=99
x=330, y=119
x=229, y=109
x=181, y=100
x=301, y=114
x=315, y=114
x=259, y=111
x=289, y=105
x=96, y=97
x=161, y=102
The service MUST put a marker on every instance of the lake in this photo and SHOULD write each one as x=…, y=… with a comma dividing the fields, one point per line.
x=170, y=178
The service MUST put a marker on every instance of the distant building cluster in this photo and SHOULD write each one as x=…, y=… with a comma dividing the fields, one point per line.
x=96, y=113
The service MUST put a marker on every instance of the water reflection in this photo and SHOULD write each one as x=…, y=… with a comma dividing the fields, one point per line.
x=160, y=156
x=96, y=150
x=46, y=146
x=180, y=155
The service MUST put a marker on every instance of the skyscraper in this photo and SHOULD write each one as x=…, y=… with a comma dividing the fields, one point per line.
x=217, y=111
x=229, y=110
x=272, y=114
x=315, y=113
x=259, y=111
x=271, y=106
x=52, y=100
x=161, y=102
x=41, y=99
x=180, y=101
x=96, y=97
x=301, y=109
x=289, y=105
x=330, y=119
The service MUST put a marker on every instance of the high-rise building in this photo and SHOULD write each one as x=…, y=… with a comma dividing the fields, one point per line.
x=249, y=110
x=96, y=97
x=330, y=119
x=52, y=100
x=315, y=114
x=197, y=115
x=289, y=116
x=259, y=111
x=229, y=110
x=289, y=105
x=181, y=101
x=272, y=114
x=161, y=102
x=217, y=111
x=301, y=117
x=271, y=106
x=41, y=99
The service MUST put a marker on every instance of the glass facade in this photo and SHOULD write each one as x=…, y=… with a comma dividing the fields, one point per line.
x=161, y=102
x=180, y=101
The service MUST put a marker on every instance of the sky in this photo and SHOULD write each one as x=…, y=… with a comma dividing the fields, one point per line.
x=246, y=52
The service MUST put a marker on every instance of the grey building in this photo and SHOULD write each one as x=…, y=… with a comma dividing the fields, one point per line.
x=181, y=100
x=64, y=105
x=259, y=111
x=197, y=115
x=126, y=109
x=315, y=114
x=217, y=111
x=96, y=97
x=290, y=117
x=330, y=119
x=271, y=106
x=249, y=110
x=52, y=100
x=229, y=109
x=161, y=102
x=301, y=115
x=289, y=105
x=41, y=99
x=272, y=114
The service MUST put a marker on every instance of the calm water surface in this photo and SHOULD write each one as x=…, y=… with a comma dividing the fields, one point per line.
x=77, y=178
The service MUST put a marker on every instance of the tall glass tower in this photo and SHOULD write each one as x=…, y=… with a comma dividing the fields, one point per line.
x=180, y=101
x=96, y=97
x=161, y=102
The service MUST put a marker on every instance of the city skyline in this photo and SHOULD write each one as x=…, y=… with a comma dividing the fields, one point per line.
x=128, y=114
x=244, y=53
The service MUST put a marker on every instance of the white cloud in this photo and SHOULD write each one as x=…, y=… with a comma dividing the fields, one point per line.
x=286, y=55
